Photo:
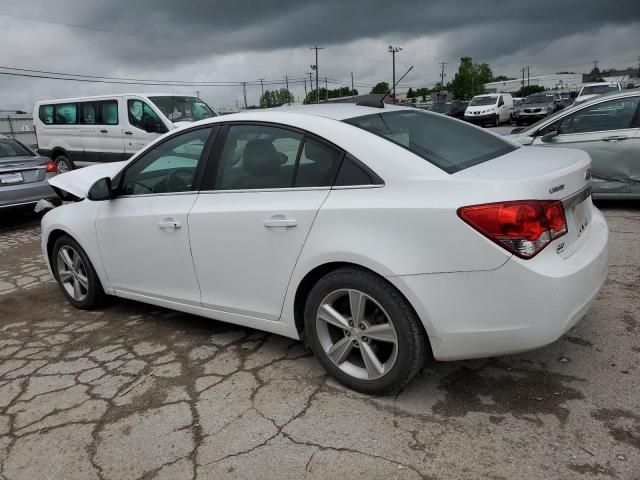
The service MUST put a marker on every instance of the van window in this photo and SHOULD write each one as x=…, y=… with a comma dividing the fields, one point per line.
x=143, y=117
x=88, y=113
x=46, y=114
x=66, y=114
x=108, y=110
x=501, y=102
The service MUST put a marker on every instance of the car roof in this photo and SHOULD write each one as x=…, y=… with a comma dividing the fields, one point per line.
x=338, y=111
x=594, y=84
x=115, y=95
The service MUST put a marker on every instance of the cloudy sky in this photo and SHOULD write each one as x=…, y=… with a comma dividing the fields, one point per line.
x=244, y=40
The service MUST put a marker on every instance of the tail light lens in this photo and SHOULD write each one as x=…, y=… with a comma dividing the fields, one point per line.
x=52, y=167
x=523, y=227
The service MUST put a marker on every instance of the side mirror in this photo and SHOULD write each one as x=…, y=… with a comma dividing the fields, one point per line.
x=549, y=136
x=100, y=190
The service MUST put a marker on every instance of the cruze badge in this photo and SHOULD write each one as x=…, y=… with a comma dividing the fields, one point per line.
x=557, y=188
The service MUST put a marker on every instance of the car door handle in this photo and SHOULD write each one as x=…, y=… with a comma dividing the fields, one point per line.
x=128, y=132
x=614, y=138
x=169, y=224
x=104, y=131
x=280, y=221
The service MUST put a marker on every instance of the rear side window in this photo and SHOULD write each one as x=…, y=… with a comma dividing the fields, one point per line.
x=446, y=143
x=108, y=112
x=66, y=114
x=88, y=113
x=352, y=173
x=46, y=114
x=318, y=164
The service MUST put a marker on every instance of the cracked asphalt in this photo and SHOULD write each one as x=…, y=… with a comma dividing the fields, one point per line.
x=134, y=391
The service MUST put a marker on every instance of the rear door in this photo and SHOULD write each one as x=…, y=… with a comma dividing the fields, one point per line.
x=250, y=222
x=609, y=131
x=111, y=143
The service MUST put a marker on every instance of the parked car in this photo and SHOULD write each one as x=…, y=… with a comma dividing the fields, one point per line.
x=591, y=90
x=567, y=99
x=492, y=109
x=380, y=235
x=607, y=128
x=537, y=106
x=453, y=108
x=80, y=131
x=23, y=175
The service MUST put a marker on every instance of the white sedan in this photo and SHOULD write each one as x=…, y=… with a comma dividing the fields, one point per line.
x=381, y=236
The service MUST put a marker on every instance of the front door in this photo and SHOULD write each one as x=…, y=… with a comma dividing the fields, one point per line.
x=248, y=230
x=143, y=234
x=142, y=125
x=610, y=133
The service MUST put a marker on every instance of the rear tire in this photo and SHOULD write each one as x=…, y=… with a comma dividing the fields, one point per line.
x=496, y=121
x=64, y=164
x=377, y=351
x=75, y=274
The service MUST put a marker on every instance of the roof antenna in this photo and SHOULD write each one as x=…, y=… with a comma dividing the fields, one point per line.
x=396, y=84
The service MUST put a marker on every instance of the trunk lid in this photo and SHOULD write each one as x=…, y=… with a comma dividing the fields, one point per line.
x=554, y=174
x=78, y=182
x=21, y=170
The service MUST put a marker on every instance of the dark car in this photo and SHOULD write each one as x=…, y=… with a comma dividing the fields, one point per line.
x=23, y=175
x=537, y=106
x=454, y=108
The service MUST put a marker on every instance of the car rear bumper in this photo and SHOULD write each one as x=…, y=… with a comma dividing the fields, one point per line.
x=25, y=194
x=520, y=306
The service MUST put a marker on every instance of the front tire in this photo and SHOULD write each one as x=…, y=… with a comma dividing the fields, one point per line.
x=75, y=274
x=365, y=334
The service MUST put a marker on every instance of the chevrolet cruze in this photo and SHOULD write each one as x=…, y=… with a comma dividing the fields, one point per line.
x=381, y=236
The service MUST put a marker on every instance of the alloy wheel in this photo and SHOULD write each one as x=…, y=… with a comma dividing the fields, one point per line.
x=72, y=273
x=356, y=334
x=62, y=166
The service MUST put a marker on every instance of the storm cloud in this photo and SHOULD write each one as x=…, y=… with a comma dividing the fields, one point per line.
x=241, y=40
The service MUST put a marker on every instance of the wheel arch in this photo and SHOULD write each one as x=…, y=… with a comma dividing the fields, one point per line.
x=315, y=274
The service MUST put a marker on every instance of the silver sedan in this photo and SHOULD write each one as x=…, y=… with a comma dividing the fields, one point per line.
x=608, y=128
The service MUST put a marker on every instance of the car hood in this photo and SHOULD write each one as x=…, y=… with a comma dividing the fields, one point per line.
x=78, y=182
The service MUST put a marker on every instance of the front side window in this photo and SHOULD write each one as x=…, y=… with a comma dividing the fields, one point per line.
x=183, y=109
x=46, y=114
x=66, y=114
x=256, y=156
x=612, y=115
x=169, y=167
x=446, y=143
x=142, y=116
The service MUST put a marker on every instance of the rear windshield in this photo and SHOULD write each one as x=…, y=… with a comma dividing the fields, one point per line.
x=11, y=148
x=598, y=89
x=440, y=107
x=447, y=143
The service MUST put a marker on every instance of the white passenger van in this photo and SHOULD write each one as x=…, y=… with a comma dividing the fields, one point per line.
x=491, y=108
x=109, y=128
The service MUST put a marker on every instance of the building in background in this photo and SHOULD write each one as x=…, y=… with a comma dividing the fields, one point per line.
x=565, y=82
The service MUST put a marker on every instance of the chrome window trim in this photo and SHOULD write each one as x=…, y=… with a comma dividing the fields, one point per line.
x=577, y=197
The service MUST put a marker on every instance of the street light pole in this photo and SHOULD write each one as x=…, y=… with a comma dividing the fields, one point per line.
x=393, y=50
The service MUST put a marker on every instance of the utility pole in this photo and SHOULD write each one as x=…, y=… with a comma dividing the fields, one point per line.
x=305, y=88
x=528, y=75
x=595, y=64
x=353, y=91
x=286, y=81
x=326, y=90
x=315, y=67
x=393, y=50
x=442, y=65
x=198, y=93
x=262, y=86
x=244, y=93
x=523, y=69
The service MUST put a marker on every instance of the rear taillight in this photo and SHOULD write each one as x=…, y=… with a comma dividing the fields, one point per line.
x=52, y=167
x=522, y=227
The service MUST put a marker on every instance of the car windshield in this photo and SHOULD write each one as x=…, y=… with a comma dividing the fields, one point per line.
x=11, y=148
x=440, y=107
x=598, y=89
x=483, y=101
x=183, y=109
x=446, y=143
x=531, y=99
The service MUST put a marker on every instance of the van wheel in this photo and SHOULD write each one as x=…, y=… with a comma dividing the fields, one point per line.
x=364, y=332
x=63, y=164
x=496, y=121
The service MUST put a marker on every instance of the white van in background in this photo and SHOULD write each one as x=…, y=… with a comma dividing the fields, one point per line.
x=590, y=90
x=108, y=128
x=491, y=108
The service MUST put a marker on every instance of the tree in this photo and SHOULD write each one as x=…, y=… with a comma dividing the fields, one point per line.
x=470, y=79
x=335, y=93
x=382, y=87
x=502, y=78
x=275, y=98
x=528, y=90
x=411, y=93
